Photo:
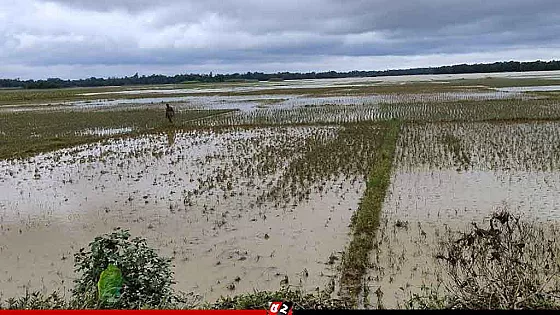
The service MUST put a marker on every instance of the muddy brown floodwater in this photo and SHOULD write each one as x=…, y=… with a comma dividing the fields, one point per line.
x=53, y=204
x=424, y=205
x=513, y=166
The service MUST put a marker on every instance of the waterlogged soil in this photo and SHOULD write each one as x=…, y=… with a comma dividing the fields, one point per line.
x=266, y=101
x=449, y=195
x=173, y=190
x=541, y=88
x=447, y=176
x=403, y=261
x=423, y=206
x=103, y=131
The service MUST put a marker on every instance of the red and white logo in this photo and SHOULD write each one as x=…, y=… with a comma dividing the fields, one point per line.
x=279, y=308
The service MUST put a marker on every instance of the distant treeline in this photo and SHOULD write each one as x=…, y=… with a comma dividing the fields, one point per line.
x=510, y=66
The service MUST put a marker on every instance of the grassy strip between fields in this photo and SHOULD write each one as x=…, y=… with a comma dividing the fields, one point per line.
x=366, y=219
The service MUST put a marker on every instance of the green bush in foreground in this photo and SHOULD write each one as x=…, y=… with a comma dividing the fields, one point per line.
x=147, y=278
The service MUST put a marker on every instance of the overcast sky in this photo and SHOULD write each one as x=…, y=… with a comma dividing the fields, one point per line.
x=84, y=38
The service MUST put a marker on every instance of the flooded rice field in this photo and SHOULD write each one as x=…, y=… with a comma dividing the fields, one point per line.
x=103, y=131
x=448, y=175
x=265, y=195
x=270, y=102
x=237, y=210
x=426, y=111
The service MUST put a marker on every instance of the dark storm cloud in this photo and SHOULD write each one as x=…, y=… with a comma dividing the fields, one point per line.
x=81, y=33
x=352, y=16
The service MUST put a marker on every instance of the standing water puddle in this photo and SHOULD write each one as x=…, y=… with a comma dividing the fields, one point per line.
x=541, y=88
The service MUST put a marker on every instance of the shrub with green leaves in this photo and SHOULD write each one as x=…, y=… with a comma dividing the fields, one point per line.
x=35, y=300
x=146, y=277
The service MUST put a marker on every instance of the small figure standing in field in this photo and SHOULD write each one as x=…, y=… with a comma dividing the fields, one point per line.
x=169, y=113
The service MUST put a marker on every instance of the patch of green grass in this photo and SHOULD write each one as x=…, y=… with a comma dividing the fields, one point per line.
x=366, y=219
x=24, y=96
x=23, y=134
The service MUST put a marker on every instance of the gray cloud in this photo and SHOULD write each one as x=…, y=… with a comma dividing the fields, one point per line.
x=250, y=35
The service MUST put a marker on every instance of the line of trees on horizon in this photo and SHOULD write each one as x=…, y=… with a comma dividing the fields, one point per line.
x=510, y=66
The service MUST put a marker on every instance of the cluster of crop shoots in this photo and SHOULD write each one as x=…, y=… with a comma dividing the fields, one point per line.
x=481, y=146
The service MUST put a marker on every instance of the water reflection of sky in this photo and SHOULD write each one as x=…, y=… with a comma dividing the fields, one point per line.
x=540, y=88
x=256, y=102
